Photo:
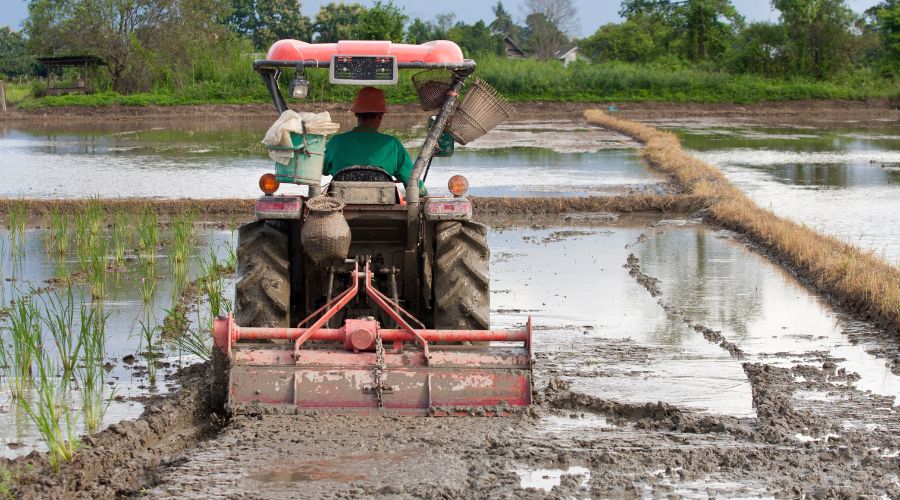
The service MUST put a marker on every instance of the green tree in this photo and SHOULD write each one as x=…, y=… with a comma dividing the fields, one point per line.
x=503, y=23
x=418, y=32
x=542, y=37
x=702, y=29
x=887, y=15
x=266, y=21
x=335, y=21
x=14, y=58
x=820, y=34
x=134, y=37
x=477, y=39
x=762, y=48
x=384, y=21
x=633, y=40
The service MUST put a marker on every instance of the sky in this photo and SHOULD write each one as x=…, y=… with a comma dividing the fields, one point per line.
x=592, y=13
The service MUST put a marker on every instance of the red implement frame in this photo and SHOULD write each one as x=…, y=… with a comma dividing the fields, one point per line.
x=347, y=370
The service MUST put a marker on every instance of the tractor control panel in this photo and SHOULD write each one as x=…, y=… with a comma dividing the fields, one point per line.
x=363, y=70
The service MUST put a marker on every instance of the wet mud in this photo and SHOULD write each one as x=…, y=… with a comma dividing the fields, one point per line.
x=811, y=431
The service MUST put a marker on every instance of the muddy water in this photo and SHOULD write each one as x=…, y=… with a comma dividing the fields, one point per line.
x=32, y=268
x=843, y=179
x=216, y=160
x=603, y=329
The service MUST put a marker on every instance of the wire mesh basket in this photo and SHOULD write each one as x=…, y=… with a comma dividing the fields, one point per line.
x=431, y=86
x=482, y=109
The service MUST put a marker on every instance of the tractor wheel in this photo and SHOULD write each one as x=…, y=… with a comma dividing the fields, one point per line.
x=462, y=299
x=262, y=294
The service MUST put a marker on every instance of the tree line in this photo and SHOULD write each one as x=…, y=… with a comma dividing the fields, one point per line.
x=813, y=38
x=151, y=45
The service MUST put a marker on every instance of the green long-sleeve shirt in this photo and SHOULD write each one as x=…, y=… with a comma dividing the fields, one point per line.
x=367, y=146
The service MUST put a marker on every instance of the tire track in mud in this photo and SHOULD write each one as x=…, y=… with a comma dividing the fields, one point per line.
x=651, y=284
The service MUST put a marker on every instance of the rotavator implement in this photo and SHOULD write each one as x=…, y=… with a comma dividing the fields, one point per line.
x=390, y=315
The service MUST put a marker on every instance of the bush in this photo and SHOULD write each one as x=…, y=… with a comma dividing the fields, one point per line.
x=38, y=89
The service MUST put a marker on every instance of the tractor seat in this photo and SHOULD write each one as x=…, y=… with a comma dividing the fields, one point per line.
x=363, y=173
x=364, y=185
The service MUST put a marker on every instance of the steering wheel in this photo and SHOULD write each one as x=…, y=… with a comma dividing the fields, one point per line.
x=363, y=173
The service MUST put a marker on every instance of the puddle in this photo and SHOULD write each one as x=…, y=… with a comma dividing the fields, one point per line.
x=722, y=285
x=345, y=468
x=226, y=159
x=603, y=332
x=547, y=479
x=575, y=422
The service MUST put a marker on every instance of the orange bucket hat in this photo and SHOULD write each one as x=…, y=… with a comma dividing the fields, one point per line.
x=369, y=100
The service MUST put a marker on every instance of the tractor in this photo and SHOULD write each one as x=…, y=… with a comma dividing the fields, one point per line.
x=401, y=323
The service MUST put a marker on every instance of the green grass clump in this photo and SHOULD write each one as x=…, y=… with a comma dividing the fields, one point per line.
x=59, y=231
x=183, y=235
x=149, y=340
x=17, y=216
x=49, y=410
x=148, y=235
x=59, y=318
x=91, y=374
x=22, y=339
x=121, y=235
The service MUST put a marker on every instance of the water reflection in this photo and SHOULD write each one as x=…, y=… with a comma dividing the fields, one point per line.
x=214, y=160
x=841, y=180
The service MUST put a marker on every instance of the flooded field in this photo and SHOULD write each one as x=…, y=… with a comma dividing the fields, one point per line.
x=671, y=357
x=842, y=179
x=199, y=160
x=136, y=305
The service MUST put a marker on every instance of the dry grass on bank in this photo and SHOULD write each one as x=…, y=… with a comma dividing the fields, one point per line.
x=857, y=280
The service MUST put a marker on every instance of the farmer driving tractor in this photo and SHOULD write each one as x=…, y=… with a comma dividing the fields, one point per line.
x=365, y=145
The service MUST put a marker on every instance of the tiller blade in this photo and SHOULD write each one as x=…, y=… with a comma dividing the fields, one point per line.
x=362, y=368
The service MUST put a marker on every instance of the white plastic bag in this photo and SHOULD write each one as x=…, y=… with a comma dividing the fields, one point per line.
x=279, y=134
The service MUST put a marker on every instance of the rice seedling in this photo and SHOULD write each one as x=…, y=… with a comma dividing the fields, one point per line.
x=17, y=217
x=95, y=215
x=49, y=410
x=91, y=374
x=183, y=235
x=97, y=268
x=195, y=341
x=59, y=231
x=24, y=337
x=149, y=336
x=59, y=318
x=82, y=241
x=148, y=235
x=121, y=235
x=148, y=285
x=212, y=286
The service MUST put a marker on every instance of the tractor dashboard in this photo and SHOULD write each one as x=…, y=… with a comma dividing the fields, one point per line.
x=363, y=70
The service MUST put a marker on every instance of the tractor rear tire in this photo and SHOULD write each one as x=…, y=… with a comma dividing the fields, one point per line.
x=462, y=292
x=263, y=288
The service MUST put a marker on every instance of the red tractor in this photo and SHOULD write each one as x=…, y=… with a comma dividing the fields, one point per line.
x=397, y=319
